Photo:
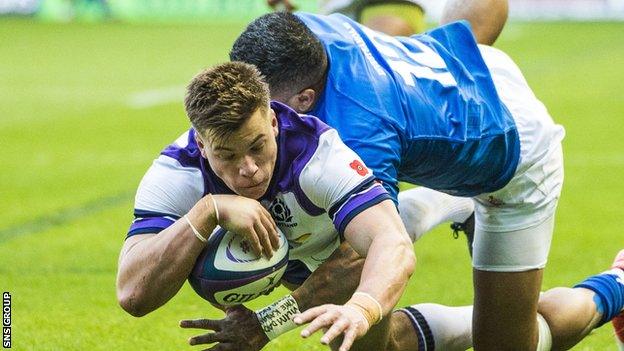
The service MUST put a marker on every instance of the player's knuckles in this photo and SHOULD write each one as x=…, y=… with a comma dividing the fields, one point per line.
x=320, y=322
x=324, y=319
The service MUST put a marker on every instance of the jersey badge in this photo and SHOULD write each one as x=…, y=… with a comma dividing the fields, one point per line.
x=281, y=213
x=359, y=167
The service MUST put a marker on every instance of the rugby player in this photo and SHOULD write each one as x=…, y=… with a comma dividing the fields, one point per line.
x=241, y=152
x=440, y=111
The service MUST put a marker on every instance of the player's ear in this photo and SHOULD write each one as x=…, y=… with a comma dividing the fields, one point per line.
x=274, y=124
x=304, y=101
x=200, y=144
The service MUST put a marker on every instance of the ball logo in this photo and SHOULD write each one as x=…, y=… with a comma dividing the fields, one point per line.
x=234, y=253
x=244, y=246
x=238, y=250
x=359, y=167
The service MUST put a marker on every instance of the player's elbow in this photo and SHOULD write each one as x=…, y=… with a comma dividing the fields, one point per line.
x=130, y=301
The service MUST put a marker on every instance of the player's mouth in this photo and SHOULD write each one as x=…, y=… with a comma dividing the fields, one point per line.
x=254, y=191
x=254, y=185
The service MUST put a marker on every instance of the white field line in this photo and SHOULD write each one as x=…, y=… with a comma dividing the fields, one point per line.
x=156, y=97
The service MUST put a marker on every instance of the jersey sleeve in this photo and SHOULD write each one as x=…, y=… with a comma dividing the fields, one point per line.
x=336, y=180
x=167, y=191
x=376, y=140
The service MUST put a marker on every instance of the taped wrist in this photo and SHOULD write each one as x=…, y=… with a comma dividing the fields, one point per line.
x=276, y=319
x=367, y=305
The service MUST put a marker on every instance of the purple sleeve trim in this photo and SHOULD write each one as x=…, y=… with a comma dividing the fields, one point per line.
x=149, y=225
x=358, y=203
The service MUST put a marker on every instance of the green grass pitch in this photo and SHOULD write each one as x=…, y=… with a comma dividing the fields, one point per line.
x=85, y=108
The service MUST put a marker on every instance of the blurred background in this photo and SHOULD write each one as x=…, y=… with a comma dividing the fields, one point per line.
x=91, y=91
x=207, y=10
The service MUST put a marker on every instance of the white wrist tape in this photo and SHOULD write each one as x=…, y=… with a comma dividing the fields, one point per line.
x=276, y=319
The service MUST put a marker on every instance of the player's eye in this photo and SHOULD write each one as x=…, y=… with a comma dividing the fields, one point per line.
x=257, y=148
x=226, y=157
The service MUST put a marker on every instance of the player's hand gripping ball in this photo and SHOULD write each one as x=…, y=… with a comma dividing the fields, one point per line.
x=228, y=273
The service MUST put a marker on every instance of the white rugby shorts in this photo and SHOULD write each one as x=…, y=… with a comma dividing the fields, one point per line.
x=514, y=225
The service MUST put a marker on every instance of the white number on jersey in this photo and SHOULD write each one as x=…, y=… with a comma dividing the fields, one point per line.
x=409, y=64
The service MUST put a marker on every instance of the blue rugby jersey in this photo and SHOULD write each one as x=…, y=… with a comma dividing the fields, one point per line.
x=421, y=109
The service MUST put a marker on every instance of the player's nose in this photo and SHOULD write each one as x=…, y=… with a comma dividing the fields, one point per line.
x=248, y=167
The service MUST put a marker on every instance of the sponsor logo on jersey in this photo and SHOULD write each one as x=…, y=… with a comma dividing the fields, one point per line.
x=281, y=213
x=359, y=167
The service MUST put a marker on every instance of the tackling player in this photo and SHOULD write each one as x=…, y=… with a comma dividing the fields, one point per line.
x=439, y=111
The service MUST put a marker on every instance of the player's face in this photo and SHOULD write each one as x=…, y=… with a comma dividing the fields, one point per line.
x=245, y=161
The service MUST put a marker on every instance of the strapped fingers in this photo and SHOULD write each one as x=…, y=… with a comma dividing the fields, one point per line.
x=208, y=338
x=209, y=324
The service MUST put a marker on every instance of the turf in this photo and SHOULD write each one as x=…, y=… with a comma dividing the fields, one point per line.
x=75, y=144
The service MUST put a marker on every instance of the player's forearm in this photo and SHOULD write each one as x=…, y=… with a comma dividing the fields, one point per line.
x=333, y=282
x=387, y=269
x=152, y=270
x=379, y=234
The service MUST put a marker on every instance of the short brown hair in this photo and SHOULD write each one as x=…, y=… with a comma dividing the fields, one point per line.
x=219, y=100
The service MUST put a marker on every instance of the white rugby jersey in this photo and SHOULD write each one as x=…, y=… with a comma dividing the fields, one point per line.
x=318, y=186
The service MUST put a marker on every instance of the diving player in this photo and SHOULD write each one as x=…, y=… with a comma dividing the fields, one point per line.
x=242, y=152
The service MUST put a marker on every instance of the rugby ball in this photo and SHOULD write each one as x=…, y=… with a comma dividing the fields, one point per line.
x=228, y=273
